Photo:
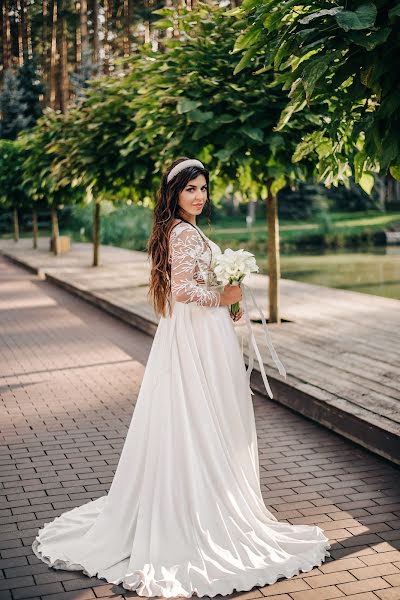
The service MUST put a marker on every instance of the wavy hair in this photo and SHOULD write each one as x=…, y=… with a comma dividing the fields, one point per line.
x=165, y=211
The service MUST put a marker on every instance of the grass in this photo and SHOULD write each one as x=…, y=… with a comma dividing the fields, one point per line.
x=331, y=230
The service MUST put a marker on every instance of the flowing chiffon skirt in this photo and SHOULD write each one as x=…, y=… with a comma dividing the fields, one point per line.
x=184, y=514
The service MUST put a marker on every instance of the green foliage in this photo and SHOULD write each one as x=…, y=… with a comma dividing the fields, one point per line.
x=19, y=100
x=32, y=88
x=126, y=226
x=13, y=107
x=12, y=193
x=192, y=101
x=87, y=142
x=342, y=54
x=43, y=177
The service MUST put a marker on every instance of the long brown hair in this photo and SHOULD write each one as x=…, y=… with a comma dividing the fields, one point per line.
x=165, y=211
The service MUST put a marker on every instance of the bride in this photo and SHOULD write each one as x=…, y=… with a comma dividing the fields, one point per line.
x=184, y=514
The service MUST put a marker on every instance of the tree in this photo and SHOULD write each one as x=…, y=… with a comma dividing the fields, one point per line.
x=191, y=102
x=32, y=89
x=69, y=36
x=12, y=192
x=13, y=106
x=42, y=178
x=341, y=53
x=87, y=148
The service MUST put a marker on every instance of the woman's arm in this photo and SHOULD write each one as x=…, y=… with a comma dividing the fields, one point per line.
x=185, y=246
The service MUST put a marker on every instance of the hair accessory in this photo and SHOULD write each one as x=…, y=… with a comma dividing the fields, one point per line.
x=190, y=162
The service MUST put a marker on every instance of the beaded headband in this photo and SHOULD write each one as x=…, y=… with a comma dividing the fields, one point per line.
x=190, y=162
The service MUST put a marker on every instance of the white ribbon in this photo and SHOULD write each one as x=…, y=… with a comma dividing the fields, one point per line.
x=252, y=344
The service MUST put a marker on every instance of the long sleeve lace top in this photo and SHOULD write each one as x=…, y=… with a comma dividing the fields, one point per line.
x=190, y=259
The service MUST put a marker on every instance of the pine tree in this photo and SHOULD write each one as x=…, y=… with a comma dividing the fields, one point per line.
x=13, y=107
x=32, y=88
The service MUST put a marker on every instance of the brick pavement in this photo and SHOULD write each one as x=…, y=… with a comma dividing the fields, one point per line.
x=340, y=371
x=69, y=376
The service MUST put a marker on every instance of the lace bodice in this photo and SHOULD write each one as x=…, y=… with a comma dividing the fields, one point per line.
x=191, y=272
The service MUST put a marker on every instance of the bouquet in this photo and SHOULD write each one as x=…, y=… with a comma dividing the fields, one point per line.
x=231, y=267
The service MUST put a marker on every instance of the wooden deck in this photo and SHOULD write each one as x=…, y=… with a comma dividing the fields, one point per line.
x=340, y=349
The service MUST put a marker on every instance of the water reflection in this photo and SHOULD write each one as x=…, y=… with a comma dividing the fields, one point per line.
x=369, y=270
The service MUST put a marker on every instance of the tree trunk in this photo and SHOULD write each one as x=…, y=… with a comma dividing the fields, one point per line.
x=381, y=183
x=251, y=212
x=106, y=43
x=273, y=255
x=24, y=31
x=146, y=24
x=96, y=233
x=63, y=81
x=53, y=57
x=393, y=193
x=236, y=197
x=35, y=228
x=45, y=52
x=16, y=225
x=29, y=43
x=20, y=34
x=84, y=34
x=54, y=230
x=95, y=22
x=78, y=48
x=127, y=31
x=6, y=34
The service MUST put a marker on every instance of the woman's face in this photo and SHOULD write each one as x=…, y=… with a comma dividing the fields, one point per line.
x=194, y=195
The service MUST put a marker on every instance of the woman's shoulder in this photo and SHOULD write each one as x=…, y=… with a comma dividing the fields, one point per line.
x=179, y=226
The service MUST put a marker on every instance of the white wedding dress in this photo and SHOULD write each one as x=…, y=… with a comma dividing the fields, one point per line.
x=184, y=514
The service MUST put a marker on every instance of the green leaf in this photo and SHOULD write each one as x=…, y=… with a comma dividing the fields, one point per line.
x=253, y=133
x=359, y=161
x=164, y=24
x=234, y=144
x=367, y=182
x=390, y=152
x=246, y=115
x=372, y=40
x=361, y=18
x=395, y=171
x=320, y=13
x=293, y=107
x=246, y=39
x=244, y=61
x=278, y=184
x=394, y=12
x=186, y=105
x=198, y=116
x=226, y=118
x=224, y=154
x=324, y=149
x=313, y=71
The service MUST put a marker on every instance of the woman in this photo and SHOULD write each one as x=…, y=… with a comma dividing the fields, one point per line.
x=184, y=514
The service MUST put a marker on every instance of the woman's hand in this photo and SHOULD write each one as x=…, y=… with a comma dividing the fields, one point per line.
x=231, y=294
x=237, y=316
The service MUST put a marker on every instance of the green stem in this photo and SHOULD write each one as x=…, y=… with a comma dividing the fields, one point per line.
x=234, y=308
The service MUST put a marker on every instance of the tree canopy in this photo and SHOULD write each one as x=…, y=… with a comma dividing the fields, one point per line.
x=341, y=53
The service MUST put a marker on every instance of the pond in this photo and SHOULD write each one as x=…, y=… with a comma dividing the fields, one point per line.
x=371, y=271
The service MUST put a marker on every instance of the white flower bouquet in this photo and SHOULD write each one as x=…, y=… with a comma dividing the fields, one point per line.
x=231, y=267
